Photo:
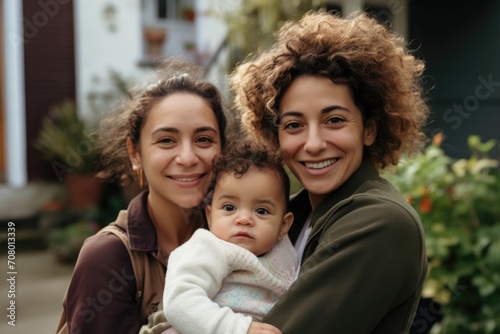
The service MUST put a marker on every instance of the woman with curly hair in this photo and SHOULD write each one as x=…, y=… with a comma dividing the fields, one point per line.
x=342, y=98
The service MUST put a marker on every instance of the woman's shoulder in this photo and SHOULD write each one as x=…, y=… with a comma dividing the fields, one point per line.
x=378, y=205
x=376, y=196
x=103, y=286
x=378, y=219
x=103, y=250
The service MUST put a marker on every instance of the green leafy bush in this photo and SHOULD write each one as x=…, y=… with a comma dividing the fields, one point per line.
x=458, y=202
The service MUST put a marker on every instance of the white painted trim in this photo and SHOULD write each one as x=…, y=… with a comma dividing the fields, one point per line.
x=14, y=108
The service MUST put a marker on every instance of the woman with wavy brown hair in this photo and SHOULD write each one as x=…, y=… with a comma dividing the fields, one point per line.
x=167, y=134
x=342, y=98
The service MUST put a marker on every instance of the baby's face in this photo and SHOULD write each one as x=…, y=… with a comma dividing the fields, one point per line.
x=249, y=211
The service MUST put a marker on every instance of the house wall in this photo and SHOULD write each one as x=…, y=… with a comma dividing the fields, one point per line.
x=211, y=32
x=180, y=31
x=106, y=43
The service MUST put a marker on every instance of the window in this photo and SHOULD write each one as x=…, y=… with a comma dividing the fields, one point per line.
x=162, y=9
x=174, y=9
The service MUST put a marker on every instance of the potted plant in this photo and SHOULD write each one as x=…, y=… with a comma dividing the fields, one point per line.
x=188, y=13
x=66, y=141
x=155, y=37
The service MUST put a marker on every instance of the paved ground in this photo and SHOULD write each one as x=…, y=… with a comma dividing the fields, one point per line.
x=40, y=286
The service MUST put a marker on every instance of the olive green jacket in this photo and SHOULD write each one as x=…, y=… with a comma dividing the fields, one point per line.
x=364, y=263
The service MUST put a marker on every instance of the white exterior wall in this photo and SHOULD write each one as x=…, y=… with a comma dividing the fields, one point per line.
x=99, y=49
x=179, y=31
x=211, y=31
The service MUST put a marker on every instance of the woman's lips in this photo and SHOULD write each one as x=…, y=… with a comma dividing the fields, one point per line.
x=187, y=180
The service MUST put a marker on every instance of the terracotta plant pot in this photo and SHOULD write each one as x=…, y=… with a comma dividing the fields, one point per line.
x=155, y=37
x=84, y=190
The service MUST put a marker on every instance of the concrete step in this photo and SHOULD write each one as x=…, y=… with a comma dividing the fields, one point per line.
x=24, y=203
x=22, y=206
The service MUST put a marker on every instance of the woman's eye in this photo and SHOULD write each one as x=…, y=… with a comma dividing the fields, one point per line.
x=262, y=211
x=205, y=140
x=165, y=141
x=292, y=125
x=228, y=207
x=335, y=120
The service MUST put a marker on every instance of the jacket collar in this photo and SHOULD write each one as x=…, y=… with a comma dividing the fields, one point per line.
x=141, y=230
x=301, y=205
x=365, y=172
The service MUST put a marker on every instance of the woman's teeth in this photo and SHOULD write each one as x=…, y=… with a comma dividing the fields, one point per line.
x=318, y=165
x=185, y=179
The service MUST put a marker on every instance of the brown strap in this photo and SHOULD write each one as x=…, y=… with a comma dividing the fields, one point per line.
x=149, y=296
x=137, y=258
x=62, y=327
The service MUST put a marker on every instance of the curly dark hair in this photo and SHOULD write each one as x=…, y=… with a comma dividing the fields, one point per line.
x=239, y=157
x=385, y=80
x=173, y=76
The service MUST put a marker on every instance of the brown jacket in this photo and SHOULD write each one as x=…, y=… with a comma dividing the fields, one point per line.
x=103, y=296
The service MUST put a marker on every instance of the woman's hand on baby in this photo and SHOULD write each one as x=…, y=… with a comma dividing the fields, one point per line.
x=262, y=328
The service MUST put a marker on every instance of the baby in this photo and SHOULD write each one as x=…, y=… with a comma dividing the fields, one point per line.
x=226, y=279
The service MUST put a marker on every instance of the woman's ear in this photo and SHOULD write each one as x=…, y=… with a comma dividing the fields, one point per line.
x=208, y=210
x=370, y=133
x=133, y=154
x=285, y=226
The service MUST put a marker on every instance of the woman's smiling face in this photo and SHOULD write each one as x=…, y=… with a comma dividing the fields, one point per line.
x=322, y=134
x=177, y=143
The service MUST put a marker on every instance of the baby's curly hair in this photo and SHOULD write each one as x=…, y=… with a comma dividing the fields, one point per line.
x=385, y=80
x=239, y=157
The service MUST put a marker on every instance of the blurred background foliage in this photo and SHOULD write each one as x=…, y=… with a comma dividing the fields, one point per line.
x=66, y=140
x=457, y=201
x=252, y=25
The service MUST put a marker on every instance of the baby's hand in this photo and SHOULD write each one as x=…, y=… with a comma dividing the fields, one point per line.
x=262, y=328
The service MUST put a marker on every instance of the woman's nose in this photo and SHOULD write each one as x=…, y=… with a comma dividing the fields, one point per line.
x=314, y=142
x=186, y=156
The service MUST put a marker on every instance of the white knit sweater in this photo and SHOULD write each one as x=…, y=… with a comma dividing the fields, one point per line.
x=213, y=286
